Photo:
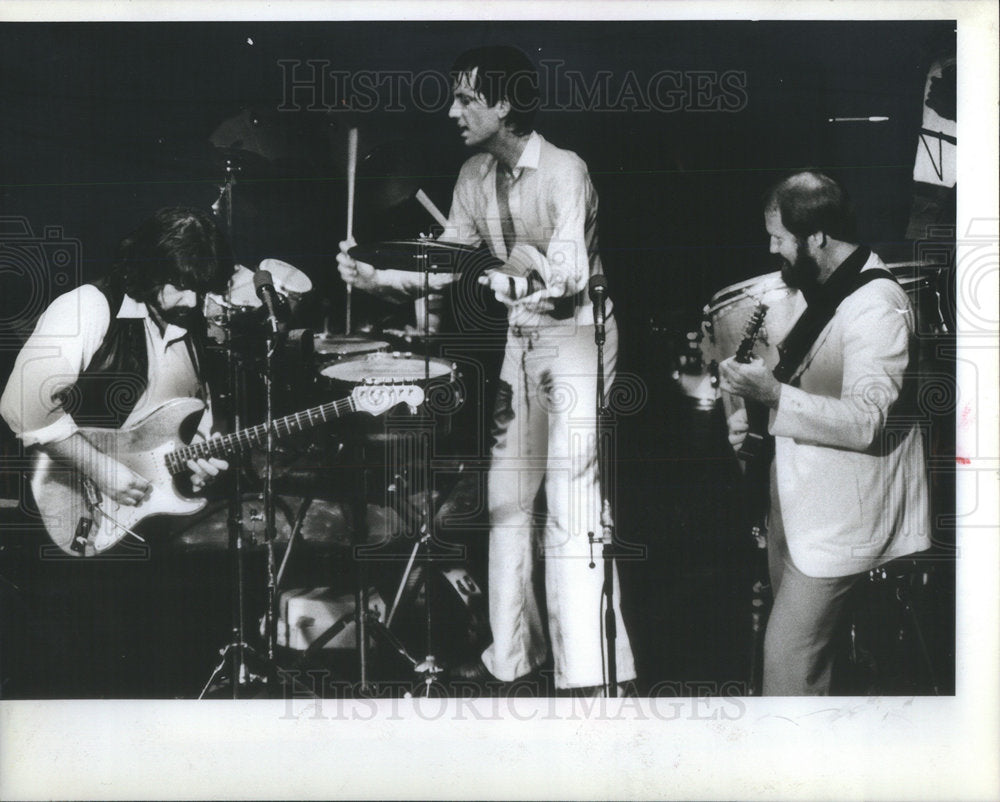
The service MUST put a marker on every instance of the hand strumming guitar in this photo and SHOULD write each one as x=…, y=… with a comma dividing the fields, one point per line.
x=752, y=380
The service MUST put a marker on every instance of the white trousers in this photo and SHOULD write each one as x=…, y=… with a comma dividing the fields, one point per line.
x=544, y=428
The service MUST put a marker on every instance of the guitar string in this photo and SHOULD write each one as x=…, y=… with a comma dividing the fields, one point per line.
x=255, y=435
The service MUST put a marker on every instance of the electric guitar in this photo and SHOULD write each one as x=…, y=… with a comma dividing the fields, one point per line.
x=81, y=522
x=756, y=453
x=755, y=442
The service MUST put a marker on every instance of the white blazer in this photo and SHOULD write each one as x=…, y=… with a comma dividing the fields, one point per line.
x=849, y=452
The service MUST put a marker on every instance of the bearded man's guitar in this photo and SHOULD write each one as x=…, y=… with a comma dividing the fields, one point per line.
x=754, y=448
x=756, y=453
x=81, y=522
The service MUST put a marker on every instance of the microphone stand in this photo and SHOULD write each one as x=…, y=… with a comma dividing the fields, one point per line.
x=607, y=523
x=270, y=615
x=234, y=653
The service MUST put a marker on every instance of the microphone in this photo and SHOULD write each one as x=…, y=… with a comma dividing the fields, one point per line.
x=263, y=283
x=597, y=288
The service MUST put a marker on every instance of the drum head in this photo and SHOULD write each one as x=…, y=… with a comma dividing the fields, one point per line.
x=338, y=346
x=241, y=292
x=381, y=367
x=288, y=280
x=727, y=315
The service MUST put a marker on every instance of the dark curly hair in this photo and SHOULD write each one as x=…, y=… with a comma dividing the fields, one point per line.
x=178, y=246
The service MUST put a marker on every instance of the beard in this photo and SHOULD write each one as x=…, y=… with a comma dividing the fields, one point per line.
x=803, y=272
x=185, y=317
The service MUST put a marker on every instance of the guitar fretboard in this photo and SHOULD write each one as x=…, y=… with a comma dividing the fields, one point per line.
x=257, y=435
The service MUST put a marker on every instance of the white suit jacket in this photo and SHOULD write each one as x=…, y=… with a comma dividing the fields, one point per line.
x=849, y=453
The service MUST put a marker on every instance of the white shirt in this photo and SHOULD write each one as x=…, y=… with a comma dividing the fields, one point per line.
x=553, y=206
x=64, y=341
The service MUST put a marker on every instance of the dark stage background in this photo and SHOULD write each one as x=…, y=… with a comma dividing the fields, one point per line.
x=104, y=123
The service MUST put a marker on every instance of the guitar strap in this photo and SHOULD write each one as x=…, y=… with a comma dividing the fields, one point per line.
x=822, y=305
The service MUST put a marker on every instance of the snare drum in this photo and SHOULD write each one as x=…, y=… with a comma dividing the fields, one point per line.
x=335, y=347
x=395, y=367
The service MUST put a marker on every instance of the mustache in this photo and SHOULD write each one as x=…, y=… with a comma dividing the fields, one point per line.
x=185, y=317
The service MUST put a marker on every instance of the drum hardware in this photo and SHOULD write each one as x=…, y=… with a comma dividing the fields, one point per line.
x=696, y=380
x=426, y=256
x=236, y=318
x=235, y=653
x=922, y=282
x=900, y=576
x=334, y=347
x=422, y=254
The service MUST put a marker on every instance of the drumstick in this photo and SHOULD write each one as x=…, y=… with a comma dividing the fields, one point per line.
x=352, y=164
x=434, y=211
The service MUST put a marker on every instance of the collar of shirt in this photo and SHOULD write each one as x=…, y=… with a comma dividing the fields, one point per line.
x=530, y=157
x=132, y=309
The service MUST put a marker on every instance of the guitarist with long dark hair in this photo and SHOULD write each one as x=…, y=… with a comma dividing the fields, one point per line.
x=108, y=352
x=848, y=489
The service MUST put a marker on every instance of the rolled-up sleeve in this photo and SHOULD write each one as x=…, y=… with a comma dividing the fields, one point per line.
x=64, y=341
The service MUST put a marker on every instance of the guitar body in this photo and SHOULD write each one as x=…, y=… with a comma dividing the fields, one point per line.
x=64, y=501
x=81, y=523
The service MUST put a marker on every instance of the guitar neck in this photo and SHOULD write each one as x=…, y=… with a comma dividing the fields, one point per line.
x=246, y=439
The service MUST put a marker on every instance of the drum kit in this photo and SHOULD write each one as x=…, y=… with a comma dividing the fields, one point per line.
x=371, y=485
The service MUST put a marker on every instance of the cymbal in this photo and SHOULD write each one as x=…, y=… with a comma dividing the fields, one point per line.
x=442, y=257
x=262, y=138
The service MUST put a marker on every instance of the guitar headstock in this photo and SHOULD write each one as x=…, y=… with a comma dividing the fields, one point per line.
x=376, y=398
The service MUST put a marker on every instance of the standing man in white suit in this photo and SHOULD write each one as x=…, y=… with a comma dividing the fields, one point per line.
x=848, y=485
x=533, y=204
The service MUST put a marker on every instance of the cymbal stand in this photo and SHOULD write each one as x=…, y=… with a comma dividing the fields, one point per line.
x=429, y=668
x=234, y=654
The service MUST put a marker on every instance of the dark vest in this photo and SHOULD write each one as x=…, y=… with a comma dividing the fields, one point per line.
x=108, y=389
